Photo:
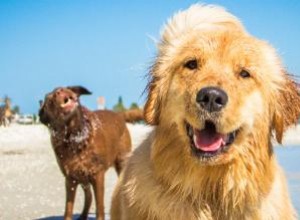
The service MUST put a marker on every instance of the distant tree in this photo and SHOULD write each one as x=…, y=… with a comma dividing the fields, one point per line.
x=119, y=107
x=134, y=105
x=34, y=118
x=7, y=100
x=16, y=109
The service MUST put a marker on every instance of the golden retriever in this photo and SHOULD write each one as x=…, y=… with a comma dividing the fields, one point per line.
x=216, y=95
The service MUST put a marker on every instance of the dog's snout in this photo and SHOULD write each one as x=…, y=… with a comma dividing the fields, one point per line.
x=62, y=94
x=212, y=99
x=58, y=91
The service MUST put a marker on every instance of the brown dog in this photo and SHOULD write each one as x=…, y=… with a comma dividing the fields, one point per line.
x=133, y=115
x=216, y=96
x=85, y=143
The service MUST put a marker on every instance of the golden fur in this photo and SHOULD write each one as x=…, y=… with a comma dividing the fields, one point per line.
x=163, y=180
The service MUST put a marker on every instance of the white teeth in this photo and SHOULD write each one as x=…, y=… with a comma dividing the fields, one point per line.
x=195, y=139
x=226, y=138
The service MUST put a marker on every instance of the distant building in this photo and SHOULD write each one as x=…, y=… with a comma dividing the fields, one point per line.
x=101, y=103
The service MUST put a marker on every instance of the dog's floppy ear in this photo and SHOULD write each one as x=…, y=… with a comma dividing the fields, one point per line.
x=79, y=90
x=44, y=118
x=152, y=106
x=287, y=110
x=41, y=103
x=157, y=89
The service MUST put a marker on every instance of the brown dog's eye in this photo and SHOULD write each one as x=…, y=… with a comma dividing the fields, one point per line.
x=244, y=74
x=191, y=64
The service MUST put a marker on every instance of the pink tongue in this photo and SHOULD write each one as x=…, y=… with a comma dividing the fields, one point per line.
x=207, y=141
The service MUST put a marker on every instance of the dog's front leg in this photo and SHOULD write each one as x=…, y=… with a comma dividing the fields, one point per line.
x=98, y=185
x=71, y=187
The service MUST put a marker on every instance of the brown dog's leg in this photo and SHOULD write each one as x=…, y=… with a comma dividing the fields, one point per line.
x=98, y=186
x=71, y=187
x=119, y=165
x=87, y=202
x=124, y=149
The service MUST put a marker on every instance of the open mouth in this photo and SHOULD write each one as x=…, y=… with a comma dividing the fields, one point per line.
x=208, y=142
x=68, y=104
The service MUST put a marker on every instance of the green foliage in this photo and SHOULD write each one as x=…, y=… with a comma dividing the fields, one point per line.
x=34, y=118
x=16, y=109
x=134, y=105
x=119, y=107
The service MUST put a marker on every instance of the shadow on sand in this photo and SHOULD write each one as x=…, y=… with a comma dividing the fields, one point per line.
x=62, y=217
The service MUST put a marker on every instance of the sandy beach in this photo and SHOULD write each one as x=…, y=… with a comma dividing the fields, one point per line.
x=32, y=186
x=292, y=136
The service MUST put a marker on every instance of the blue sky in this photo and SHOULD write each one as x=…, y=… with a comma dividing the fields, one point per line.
x=107, y=46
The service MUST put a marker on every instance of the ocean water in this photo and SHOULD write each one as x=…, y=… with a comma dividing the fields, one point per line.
x=289, y=159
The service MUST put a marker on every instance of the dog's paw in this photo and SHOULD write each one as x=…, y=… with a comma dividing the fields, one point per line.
x=82, y=217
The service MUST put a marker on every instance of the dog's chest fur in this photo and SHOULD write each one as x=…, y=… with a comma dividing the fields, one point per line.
x=76, y=153
x=202, y=194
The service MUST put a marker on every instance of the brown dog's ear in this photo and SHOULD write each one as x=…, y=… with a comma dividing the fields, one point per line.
x=152, y=106
x=44, y=117
x=79, y=90
x=41, y=103
x=287, y=110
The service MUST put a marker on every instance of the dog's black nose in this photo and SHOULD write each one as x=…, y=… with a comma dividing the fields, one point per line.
x=212, y=99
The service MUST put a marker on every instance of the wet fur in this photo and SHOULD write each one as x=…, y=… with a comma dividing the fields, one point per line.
x=163, y=180
x=86, y=143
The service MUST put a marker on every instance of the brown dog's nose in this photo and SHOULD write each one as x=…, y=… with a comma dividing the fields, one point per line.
x=61, y=93
x=212, y=99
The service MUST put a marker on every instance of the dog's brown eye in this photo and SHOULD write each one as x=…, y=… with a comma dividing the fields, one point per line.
x=191, y=64
x=244, y=74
